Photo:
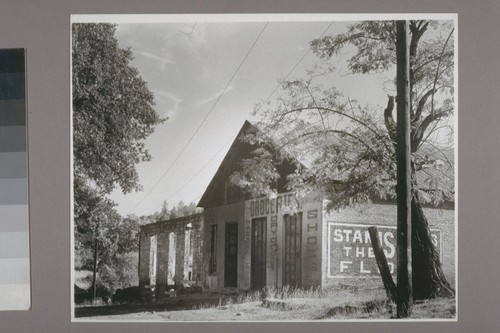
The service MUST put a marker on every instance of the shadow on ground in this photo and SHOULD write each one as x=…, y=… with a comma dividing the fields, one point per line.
x=177, y=303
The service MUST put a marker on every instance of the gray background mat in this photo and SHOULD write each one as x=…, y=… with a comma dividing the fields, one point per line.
x=43, y=28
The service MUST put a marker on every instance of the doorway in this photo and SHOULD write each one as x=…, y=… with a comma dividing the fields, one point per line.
x=292, y=270
x=231, y=255
x=258, y=253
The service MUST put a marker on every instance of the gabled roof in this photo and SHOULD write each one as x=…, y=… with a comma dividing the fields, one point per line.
x=435, y=175
x=240, y=150
x=233, y=156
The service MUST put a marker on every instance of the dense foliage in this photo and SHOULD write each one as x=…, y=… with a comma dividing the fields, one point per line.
x=112, y=116
x=347, y=150
x=112, y=110
x=342, y=142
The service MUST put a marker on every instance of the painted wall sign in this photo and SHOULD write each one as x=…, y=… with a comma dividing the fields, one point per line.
x=276, y=209
x=350, y=252
x=313, y=238
x=270, y=206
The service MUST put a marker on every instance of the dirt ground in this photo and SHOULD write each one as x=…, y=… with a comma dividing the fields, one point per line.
x=216, y=307
x=241, y=312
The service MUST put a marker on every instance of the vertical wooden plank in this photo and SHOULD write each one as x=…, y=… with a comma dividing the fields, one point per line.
x=298, y=249
x=292, y=268
x=258, y=260
x=264, y=252
x=254, y=258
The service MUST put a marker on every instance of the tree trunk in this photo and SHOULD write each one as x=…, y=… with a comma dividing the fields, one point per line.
x=94, y=273
x=383, y=267
x=427, y=275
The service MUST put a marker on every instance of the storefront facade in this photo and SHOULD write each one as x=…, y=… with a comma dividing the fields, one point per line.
x=294, y=241
x=287, y=239
x=263, y=242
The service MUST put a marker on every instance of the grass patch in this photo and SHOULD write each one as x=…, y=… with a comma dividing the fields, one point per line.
x=312, y=303
x=283, y=304
x=435, y=308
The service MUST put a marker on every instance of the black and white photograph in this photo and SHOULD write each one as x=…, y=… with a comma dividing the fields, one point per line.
x=264, y=167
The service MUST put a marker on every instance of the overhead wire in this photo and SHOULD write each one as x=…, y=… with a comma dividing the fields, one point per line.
x=203, y=167
x=268, y=97
x=203, y=121
x=297, y=64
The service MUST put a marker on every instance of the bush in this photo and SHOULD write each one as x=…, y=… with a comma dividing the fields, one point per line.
x=126, y=295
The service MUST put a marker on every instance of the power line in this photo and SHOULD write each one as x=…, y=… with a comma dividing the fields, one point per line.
x=296, y=65
x=203, y=167
x=204, y=119
x=270, y=95
x=293, y=69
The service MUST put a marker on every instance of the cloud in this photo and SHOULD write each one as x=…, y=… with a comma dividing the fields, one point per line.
x=163, y=60
x=192, y=37
x=167, y=103
x=213, y=97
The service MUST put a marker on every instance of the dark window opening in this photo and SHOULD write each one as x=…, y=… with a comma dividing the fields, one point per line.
x=212, y=264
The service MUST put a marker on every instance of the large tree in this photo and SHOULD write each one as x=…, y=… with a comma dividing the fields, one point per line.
x=113, y=110
x=113, y=113
x=348, y=150
x=96, y=239
x=105, y=243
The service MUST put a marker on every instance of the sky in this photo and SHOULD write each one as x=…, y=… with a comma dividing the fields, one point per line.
x=207, y=78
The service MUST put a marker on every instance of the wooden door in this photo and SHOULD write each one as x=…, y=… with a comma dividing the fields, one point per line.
x=258, y=253
x=231, y=255
x=292, y=270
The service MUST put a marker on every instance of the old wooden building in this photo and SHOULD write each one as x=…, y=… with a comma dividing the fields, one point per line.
x=248, y=243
